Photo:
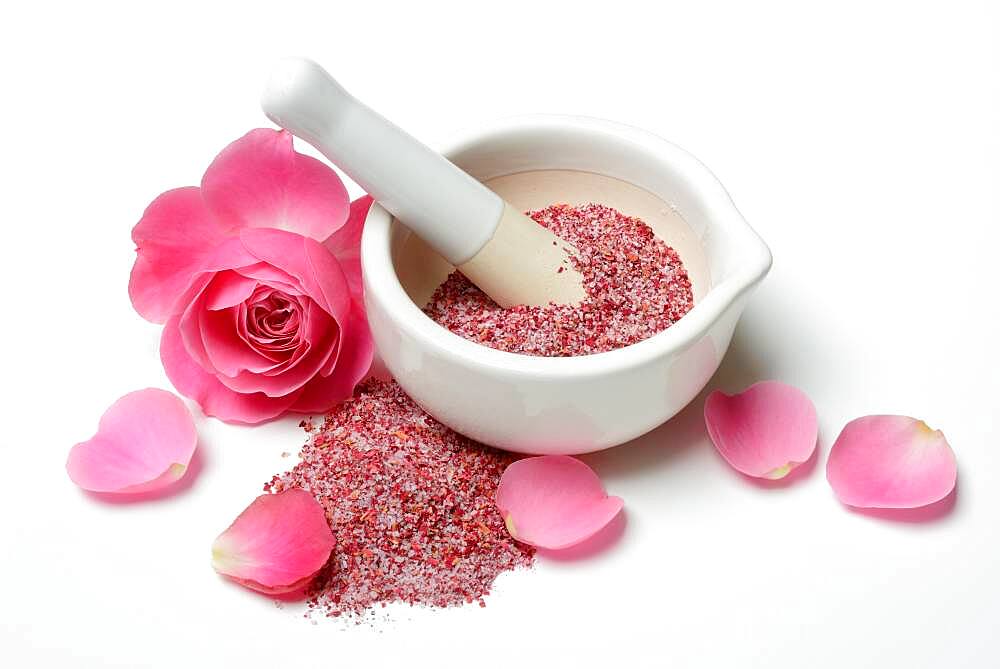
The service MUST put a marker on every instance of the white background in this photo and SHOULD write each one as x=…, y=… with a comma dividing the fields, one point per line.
x=861, y=139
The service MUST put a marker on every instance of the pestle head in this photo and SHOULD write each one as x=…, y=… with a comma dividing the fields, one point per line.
x=525, y=263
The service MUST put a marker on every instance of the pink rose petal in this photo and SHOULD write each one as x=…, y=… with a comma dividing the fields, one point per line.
x=174, y=237
x=765, y=431
x=226, y=350
x=144, y=442
x=277, y=544
x=228, y=343
x=268, y=275
x=318, y=333
x=191, y=380
x=353, y=360
x=227, y=255
x=345, y=244
x=260, y=181
x=307, y=262
x=554, y=501
x=227, y=289
x=891, y=462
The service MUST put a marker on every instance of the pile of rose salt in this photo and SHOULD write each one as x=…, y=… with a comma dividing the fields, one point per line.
x=410, y=503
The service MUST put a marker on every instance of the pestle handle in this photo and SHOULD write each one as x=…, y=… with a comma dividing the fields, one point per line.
x=510, y=257
x=447, y=208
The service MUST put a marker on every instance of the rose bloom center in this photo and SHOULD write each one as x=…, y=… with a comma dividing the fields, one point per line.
x=272, y=319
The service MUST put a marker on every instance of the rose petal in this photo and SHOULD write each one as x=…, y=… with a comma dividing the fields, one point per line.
x=173, y=238
x=189, y=325
x=227, y=289
x=319, y=337
x=765, y=431
x=144, y=442
x=270, y=275
x=891, y=462
x=212, y=327
x=222, y=341
x=345, y=244
x=276, y=349
x=191, y=380
x=230, y=254
x=277, y=544
x=306, y=261
x=353, y=360
x=554, y=501
x=226, y=352
x=260, y=181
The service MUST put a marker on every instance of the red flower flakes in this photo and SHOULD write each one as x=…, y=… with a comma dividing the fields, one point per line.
x=635, y=286
x=410, y=502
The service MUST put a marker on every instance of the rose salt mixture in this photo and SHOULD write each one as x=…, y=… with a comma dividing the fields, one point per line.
x=410, y=503
x=635, y=286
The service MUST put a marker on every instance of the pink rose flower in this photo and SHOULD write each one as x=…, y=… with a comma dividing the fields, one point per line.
x=257, y=277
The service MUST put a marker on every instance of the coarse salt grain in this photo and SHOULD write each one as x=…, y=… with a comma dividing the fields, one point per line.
x=635, y=285
x=410, y=503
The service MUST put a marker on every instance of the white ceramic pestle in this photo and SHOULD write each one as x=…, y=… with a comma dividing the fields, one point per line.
x=509, y=256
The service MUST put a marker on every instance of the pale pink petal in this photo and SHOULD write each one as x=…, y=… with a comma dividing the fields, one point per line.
x=173, y=239
x=277, y=544
x=144, y=442
x=352, y=362
x=191, y=380
x=765, y=431
x=554, y=501
x=345, y=244
x=891, y=462
x=260, y=181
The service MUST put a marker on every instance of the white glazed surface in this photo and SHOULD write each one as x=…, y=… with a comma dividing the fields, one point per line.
x=578, y=404
x=409, y=178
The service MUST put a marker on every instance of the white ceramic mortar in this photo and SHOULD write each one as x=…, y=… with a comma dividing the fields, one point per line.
x=576, y=404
